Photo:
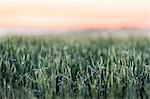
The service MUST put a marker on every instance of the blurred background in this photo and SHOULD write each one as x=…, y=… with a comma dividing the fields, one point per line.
x=40, y=17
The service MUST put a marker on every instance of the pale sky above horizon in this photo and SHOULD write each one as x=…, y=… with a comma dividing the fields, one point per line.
x=74, y=14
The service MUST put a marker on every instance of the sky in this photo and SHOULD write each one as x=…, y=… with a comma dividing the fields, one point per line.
x=75, y=14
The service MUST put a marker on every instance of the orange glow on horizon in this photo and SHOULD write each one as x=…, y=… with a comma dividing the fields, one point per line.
x=74, y=16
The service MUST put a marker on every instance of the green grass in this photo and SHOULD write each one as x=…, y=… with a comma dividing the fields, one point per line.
x=80, y=68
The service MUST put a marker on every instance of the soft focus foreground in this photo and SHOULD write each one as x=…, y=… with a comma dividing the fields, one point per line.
x=74, y=68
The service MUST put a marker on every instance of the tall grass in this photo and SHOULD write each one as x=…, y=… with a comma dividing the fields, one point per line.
x=93, y=68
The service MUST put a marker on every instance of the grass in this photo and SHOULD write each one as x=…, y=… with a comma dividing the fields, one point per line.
x=80, y=68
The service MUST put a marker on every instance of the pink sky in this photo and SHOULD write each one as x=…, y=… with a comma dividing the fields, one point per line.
x=75, y=14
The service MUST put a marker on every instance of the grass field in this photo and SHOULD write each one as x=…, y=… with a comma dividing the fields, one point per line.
x=82, y=68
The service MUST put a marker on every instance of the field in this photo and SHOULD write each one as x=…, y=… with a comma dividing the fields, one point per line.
x=63, y=68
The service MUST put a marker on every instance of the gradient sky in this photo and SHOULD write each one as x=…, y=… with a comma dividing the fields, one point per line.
x=75, y=14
